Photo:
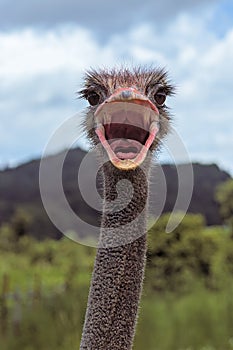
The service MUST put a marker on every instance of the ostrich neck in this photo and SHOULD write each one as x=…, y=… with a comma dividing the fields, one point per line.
x=119, y=266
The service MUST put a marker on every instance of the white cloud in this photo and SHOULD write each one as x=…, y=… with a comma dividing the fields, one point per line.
x=39, y=76
x=29, y=53
x=40, y=72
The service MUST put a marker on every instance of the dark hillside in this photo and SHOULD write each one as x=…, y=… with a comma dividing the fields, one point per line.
x=19, y=189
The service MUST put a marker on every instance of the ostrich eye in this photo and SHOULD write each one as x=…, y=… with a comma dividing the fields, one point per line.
x=160, y=98
x=93, y=98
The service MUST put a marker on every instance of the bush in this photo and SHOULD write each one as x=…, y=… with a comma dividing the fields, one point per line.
x=224, y=196
x=190, y=253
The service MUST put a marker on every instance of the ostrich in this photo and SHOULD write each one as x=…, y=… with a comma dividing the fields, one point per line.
x=127, y=117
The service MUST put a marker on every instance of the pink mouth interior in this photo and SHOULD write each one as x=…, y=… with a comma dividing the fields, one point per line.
x=126, y=133
x=126, y=130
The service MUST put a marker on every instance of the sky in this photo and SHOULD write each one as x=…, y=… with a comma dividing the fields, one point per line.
x=46, y=46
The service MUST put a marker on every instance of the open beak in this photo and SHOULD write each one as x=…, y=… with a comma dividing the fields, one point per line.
x=127, y=124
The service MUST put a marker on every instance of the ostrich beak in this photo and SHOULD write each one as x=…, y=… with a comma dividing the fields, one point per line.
x=127, y=124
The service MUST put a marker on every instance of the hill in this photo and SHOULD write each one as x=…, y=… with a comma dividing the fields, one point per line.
x=19, y=193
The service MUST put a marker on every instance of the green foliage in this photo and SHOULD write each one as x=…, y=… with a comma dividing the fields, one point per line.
x=191, y=252
x=43, y=292
x=7, y=238
x=20, y=222
x=224, y=196
x=201, y=320
x=187, y=300
x=45, y=321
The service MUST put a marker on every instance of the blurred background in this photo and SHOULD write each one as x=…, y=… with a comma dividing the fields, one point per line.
x=45, y=48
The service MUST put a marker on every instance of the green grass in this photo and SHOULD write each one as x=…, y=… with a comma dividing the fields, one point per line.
x=44, y=288
x=199, y=320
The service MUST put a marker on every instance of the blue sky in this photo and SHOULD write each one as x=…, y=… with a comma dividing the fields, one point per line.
x=45, y=46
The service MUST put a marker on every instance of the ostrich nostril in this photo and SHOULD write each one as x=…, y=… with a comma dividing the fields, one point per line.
x=126, y=94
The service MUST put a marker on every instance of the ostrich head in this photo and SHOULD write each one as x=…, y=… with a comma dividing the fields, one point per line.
x=127, y=112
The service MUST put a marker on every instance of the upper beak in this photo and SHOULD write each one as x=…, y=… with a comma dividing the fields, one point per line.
x=128, y=95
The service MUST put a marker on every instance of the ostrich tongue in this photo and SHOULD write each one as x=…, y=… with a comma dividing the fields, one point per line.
x=125, y=148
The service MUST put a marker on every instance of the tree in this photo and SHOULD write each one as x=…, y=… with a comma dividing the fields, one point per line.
x=20, y=222
x=176, y=258
x=224, y=196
